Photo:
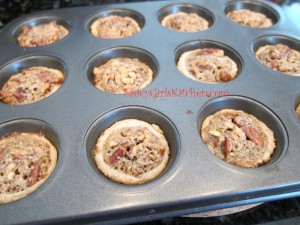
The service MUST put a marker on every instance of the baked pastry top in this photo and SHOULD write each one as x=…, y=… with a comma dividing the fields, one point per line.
x=42, y=34
x=208, y=65
x=280, y=58
x=121, y=75
x=249, y=18
x=31, y=85
x=185, y=22
x=114, y=27
x=238, y=138
x=26, y=162
x=131, y=152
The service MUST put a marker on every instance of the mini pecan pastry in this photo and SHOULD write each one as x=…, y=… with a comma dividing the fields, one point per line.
x=27, y=160
x=185, y=22
x=280, y=58
x=121, y=75
x=31, y=85
x=207, y=65
x=43, y=34
x=249, y=18
x=132, y=152
x=114, y=27
x=238, y=138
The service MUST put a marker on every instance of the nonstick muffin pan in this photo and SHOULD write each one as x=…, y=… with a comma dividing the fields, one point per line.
x=194, y=180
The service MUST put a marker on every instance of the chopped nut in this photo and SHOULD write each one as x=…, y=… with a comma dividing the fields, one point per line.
x=230, y=115
x=226, y=147
x=229, y=124
x=126, y=80
x=116, y=155
x=132, y=74
x=11, y=175
x=10, y=168
x=113, y=144
x=249, y=130
x=214, y=133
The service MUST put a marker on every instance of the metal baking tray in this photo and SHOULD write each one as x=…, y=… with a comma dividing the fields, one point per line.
x=195, y=180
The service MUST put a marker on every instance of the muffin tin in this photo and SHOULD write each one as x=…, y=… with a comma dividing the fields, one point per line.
x=74, y=116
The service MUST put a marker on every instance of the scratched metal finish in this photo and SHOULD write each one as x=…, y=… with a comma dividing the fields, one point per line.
x=194, y=180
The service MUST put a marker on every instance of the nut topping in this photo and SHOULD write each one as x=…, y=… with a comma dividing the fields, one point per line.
x=249, y=130
x=226, y=147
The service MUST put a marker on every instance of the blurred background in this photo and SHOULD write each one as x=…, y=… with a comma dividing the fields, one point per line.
x=10, y=9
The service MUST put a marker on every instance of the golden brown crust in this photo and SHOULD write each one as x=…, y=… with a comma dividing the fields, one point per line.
x=121, y=75
x=27, y=160
x=114, y=27
x=41, y=35
x=185, y=22
x=298, y=111
x=249, y=18
x=131, y=152
x=280, y=58
x=31, y=85
x=208, y=65
x=238, y=138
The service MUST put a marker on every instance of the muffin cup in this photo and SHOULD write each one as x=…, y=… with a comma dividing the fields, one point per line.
x=102, y=57
x=133, y=112
x=259, y=111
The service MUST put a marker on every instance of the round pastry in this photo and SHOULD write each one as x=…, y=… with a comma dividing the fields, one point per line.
x=26, y=161
x=31, y=85
x=249, y=18
x=208, y=65
x=114, y=27
x=280, y=58
x=40, y=35
x=121, y=75
x=238, y=138
x=298, y=111
x=131, y=152
x=185, y=22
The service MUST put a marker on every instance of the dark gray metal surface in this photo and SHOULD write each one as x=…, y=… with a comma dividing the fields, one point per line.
x=195, y=180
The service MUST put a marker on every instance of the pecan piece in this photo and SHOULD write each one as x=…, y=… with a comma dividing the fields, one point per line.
x=225, y=77
x=249, y=130
x=120, y=152
x=230, y=115
x=34, y=173
x=226, y=147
